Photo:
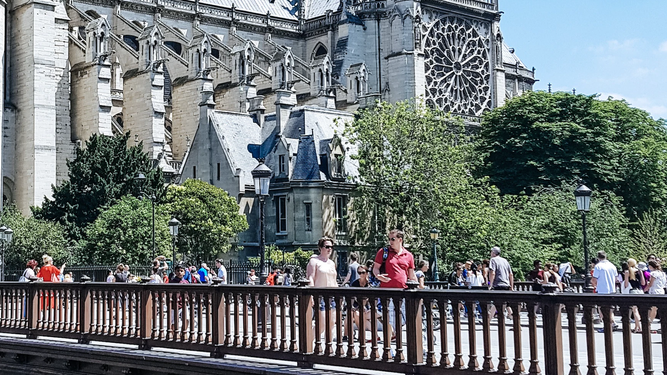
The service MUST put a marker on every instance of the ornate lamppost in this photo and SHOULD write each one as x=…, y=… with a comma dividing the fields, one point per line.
x=6, y=235
x=434, y=236
x=173, y=229
x=261, y=176
x=140, y=179
x=583, y=197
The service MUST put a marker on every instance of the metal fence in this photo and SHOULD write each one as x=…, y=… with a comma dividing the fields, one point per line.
x=237, y=271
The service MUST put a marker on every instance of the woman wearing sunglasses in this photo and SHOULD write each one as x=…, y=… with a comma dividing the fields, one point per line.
x=321, y=273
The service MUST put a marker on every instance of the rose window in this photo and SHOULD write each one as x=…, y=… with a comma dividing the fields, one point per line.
x=456, y=62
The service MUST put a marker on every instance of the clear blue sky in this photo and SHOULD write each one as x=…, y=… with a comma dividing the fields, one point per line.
x=612, y=48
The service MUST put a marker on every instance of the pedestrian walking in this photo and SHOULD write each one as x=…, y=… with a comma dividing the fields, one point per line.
x=394, y=265
x=633, y=279
x=604, y=278
x=321, y=273
x=352, y=274
x=221, y=271
x=500, y=272
x=252, y=279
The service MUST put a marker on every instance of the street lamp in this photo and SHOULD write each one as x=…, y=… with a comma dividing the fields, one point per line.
x=261, y=176
x=434, y=236
x=583, y=197
x=6, y=238
x=173, y=229
x=140, y=178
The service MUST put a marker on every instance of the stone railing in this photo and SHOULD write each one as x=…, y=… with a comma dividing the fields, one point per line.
x=317, y=325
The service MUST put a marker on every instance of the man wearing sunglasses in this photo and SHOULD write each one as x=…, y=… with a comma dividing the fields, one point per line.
x=394, y=265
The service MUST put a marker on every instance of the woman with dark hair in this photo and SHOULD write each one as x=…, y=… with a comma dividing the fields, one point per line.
x=29, y=271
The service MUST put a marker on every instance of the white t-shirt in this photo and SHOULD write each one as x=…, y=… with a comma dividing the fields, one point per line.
x=222, y=274
x=474, y=279
x=605, y=273
x=659, y=283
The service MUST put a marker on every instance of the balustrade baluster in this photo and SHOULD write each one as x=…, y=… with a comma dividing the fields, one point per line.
x=386, y=329
x=590, y=339
x=646, y=339
x=487, y=365
x=627, y=340
x=339, y=327
x=162, y=309
x=228, y=319
x=361, y=301
x=458, y=350
x=430, y=345
x=264, y=311
x=572, y=337
x=473, y=364
x=274, y=327
x=375, y=353
x=202, y=303
x=255, y=320
x=534, y=368
x=443, y=305
x=120, y=306
x=293, y=317
x=398, y=329
x=516, y=326
x=351, y=353
x=503, y=367
x=193, y=336
x=283, y=321
x=608, y=319
x=247, y=298
x=318, y=321
x=663, y=335
x=99, y=317
x=238, y=306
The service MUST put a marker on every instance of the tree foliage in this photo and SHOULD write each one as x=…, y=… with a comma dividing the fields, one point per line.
x=415, y=172
x=411, y=160
x=101, y=173
x=543, y=139
x=209, y=218
x=650, y=236
x=123, y=234
x=33, y=238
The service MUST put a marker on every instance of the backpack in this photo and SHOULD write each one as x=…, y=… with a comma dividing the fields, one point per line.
x=385, y=254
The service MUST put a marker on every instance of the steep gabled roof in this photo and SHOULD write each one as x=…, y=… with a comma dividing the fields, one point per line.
x=306, y=166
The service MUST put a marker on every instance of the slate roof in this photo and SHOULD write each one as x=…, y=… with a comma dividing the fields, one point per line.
x=235, y=131
x=279, y=8
x=510, y=57
x=309, y=131
x=318, y=8
x=306, y=166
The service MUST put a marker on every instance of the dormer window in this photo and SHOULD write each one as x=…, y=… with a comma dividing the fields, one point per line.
x=282, y=164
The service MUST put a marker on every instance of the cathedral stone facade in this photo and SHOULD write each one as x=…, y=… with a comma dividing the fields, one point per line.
x=212, y=86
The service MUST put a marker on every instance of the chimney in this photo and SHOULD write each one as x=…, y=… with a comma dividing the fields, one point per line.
x=328, y=100
x=285, y=101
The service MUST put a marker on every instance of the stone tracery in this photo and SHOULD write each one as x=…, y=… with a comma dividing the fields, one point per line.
x=456, y=59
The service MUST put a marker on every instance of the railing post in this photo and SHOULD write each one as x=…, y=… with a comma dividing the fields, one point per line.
x=85, y=305
x=306, y=333
x=32, y=309
x=552, y=331
x=218, y=320
x=413, y=321
x=146, y=315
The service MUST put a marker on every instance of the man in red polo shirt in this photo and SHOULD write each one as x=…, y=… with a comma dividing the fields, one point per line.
x=399, y=265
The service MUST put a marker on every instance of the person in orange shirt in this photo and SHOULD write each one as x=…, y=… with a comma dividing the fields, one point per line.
x=49, y=273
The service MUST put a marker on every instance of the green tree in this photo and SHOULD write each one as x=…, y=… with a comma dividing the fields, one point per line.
x=33, y=238
x=649, y=235
x=123, y=234
x=209, y=218
x=413, y=170
x=101, y=173
x=543, y=139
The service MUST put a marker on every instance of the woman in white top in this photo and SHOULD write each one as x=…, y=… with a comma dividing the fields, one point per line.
x=474, y=277
x=656, y=284
x=29, y=271
x=321, y=273
x=422, y=268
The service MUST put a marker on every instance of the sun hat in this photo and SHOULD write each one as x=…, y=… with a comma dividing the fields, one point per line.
x=641, y=266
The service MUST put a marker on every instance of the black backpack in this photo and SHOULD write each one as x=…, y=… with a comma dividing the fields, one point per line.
x=385, y=254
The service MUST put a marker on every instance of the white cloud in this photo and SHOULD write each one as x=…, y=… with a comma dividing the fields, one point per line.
x=663, y=46
x=653, y=106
